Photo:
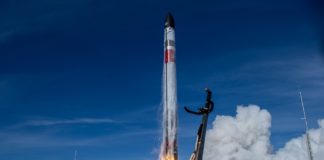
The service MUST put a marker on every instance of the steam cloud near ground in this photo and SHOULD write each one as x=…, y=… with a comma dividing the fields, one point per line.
x=247, y=137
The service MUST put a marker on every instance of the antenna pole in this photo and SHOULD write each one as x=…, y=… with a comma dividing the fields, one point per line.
x=75, y=154
x=309, y=149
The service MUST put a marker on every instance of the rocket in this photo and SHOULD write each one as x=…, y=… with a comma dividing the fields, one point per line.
x=170, y=108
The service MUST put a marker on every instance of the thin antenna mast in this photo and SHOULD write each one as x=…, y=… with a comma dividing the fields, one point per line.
x=75, y=154
x=309, y=149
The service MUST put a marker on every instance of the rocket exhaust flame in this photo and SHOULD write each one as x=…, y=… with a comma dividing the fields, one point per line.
x=170, y=117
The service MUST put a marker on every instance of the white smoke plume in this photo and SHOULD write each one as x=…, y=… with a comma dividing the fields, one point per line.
x=247, y=137
x=320, y=151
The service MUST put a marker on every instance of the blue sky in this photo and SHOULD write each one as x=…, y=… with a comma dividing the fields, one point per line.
x=86, y=75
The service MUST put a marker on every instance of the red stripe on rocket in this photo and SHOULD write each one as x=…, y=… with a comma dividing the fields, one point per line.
x=169, y=56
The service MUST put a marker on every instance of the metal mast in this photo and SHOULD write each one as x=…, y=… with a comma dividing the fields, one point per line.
x=75, y=154
x=308, y=145
x=204, y=111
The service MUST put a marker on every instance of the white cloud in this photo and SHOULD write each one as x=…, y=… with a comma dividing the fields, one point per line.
x=52, y=122
x=320, y=152
x=246, y=137
x=296, y=149
x=69, y=121
x=10, y=140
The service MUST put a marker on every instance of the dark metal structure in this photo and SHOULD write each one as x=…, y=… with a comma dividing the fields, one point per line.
x=204, y=111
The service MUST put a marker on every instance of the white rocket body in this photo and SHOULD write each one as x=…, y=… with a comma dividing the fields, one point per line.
x=170, y=107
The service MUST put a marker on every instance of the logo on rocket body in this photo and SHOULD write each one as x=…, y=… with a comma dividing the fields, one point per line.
x=169, y=55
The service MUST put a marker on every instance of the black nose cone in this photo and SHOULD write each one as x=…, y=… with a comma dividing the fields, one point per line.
x=169, y=21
